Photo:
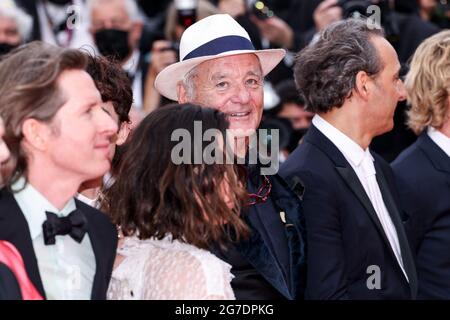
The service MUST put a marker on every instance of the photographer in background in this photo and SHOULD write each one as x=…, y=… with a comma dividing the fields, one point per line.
x=435, y=11
x=290, y=117
x=164, y=52
x=58, y=22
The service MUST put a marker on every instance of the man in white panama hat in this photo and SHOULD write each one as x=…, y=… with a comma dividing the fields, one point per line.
x=220, y=68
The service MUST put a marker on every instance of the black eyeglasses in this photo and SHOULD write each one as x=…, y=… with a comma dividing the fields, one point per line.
x=262, y=194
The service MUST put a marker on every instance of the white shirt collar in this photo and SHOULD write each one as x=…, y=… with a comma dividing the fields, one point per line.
x=349, y=148
x=91, y=202
x=33, y=205
x=440, y=139
x=132, y=64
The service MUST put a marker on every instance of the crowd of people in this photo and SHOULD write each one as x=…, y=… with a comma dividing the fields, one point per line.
x=99, y=201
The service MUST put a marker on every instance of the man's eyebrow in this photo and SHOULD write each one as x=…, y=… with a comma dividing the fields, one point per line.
x=90, y=104
x=254, y=73
x=219, y=75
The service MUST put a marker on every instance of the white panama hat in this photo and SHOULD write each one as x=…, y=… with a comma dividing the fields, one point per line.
x=213, y=37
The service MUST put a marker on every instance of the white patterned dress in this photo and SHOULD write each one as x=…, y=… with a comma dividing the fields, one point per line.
x=168, y=270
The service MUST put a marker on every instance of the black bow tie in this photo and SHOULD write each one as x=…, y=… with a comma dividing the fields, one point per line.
x=75, y=225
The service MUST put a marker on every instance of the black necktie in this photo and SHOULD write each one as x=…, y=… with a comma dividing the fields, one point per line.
x=75, y=225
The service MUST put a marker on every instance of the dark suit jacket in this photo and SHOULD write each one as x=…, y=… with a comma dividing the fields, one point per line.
x=9, y=287
x=276, y=248
x=344, y=235
x=103, y=236
x=423, y=176
x=270, y=264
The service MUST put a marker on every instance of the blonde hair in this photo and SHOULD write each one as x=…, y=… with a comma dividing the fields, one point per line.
x=428, y=83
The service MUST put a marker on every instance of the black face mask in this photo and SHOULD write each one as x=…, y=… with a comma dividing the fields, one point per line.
x=60, y=2
x=6, y=48
x=113, y=43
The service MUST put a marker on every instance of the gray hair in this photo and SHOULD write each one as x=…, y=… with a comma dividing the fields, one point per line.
x=130, y=6
x=188, y=83
x=23, y=20
x=325, y=71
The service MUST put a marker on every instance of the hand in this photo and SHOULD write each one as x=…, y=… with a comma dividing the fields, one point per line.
x=234, y=8
x=327, y=13
x=276, y=30
x=161, y=57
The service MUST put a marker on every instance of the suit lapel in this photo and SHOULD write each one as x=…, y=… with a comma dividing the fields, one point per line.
x=408, y=262
x=14, y=228
x=350, y=177
x=255, y=251
x=437, y=156
x=347, y=173
x=98, y=253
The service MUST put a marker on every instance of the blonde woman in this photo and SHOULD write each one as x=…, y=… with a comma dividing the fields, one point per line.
x=423, y=170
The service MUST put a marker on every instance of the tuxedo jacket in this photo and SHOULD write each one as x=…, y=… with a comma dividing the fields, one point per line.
x=270, y=263
x=9, y=287
x=423, y=175
x=348, y=253
x=102, y=234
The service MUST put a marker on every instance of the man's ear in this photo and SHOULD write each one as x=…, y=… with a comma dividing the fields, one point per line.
x=123, y=133
x=181, y=93
x=363, y=84
x=36, y=134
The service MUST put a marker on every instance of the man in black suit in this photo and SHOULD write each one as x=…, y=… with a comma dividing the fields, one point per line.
x=356, y=244
x=423, y=170
x=59, y=136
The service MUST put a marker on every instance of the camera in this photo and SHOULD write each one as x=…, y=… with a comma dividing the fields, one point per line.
x=354, y=8
x=260, y=10
x=359, y=8
x=187, y=12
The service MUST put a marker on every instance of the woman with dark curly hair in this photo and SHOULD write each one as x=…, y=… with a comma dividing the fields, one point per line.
x=170, y=212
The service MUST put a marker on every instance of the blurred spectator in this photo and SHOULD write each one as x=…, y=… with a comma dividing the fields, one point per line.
x=292, y=105
x=289, y=116
x=154, y=11
x=437, y=12
x=15, y=26
x=165, y=52
x=60, y=22
x=116, y=26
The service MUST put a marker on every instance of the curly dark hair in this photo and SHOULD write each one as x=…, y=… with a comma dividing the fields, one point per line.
x=153, y=197
x=325, y=71
x=113, y=84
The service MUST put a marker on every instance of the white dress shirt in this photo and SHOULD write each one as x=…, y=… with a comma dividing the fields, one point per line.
x=440, y=139
x=362, y=163
x=67, y=268
x=132, y=67
x=81, y=37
